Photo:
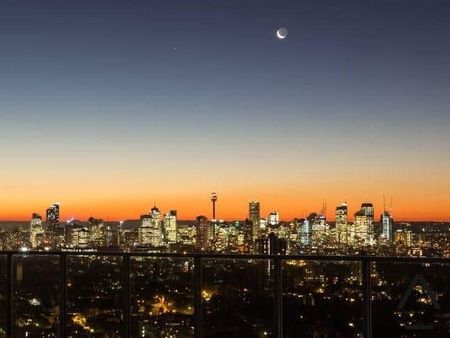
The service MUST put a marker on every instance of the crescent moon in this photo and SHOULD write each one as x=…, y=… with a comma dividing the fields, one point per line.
x=281, y=33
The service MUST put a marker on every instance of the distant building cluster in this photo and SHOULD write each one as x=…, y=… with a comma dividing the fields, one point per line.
x=164, y=232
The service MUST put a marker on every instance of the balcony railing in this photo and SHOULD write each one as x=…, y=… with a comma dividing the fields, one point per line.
x=106, y=294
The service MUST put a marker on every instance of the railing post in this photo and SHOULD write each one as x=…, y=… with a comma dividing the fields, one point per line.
x=126, y=295
x=278, y=286
x=367, y=298
x=62, y=295
x=9, y=295
x=198, y=310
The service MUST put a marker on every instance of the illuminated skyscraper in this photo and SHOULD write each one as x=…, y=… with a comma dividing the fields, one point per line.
x=403, y=237
x=222, y=237
x=52, y=217
x=68, y=231
x=145, y=230
x=170, y=227
x=273, y=218
x=342, y=223
x=304, y=231
x=254, y=217
x=96, y=232
x=387, y=227
x=36, y=231
x=150, y=233
x=368, y=210
x=79, y=237
x=362, y=232
x=202, y=226
x=319, y=227
x=120, y=232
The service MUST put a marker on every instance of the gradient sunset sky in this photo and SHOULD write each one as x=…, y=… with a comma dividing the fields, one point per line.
x=110, y=106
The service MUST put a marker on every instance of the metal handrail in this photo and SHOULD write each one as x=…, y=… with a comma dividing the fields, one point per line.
x=365, y=261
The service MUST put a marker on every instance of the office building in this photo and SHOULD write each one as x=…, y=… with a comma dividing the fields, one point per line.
x=254, y=216
x=341, y=218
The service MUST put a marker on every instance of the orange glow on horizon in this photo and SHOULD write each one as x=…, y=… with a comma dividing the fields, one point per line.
x=228, y=208
x=131, y=193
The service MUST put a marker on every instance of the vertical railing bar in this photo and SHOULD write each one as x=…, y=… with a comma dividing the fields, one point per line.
x=198, y=310
x=63, y=295
x=278, y=285
x=9, y=295
x=367, y=298
x=126, y=295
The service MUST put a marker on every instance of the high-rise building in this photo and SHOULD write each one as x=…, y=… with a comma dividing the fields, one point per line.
x=362, y=231
x=274, y=218
x=170, y=227
x=202, y=227
x=304, y=231
x=276, y=245
x=319, y=227
x=403, y=237
x=79, y=237
x=36, y=231
x=368, y=209
x=120, y=232
x=96, y=232
x=248, y=236
x=186, y=234
x=271, y=245
x=222, y=237
x=342, y=223
x=145, y=230
x=254, y=216
x=52, y=217
x=387, y=227
x=108, y=236
x=68, y=231
x=150, y=233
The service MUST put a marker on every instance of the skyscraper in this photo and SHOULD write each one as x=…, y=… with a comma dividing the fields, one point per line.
x=36, y=231
x=150, y=233
x=68, y=230
x=363, y=225
x=52, y=217
x=248, y=235
x=96, y=231
x=145, y=230
x=254, y=216
x=319, y=227
x=273, y=218
x=342, y=223
x=368, y=209
x=387, y=227
x=120, y=230
x=170, y=227
x=304, y=231
x=202, y=233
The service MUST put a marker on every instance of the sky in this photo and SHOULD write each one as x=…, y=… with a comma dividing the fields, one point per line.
x=109, y=107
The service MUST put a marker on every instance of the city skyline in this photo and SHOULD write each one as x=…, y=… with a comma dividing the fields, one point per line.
x=224, y=168
x=327, y=210
x=107, y=107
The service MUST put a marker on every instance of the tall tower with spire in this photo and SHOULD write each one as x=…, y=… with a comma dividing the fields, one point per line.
x=213, y=200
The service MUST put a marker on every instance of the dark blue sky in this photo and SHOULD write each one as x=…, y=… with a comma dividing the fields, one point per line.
x=207, y=84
